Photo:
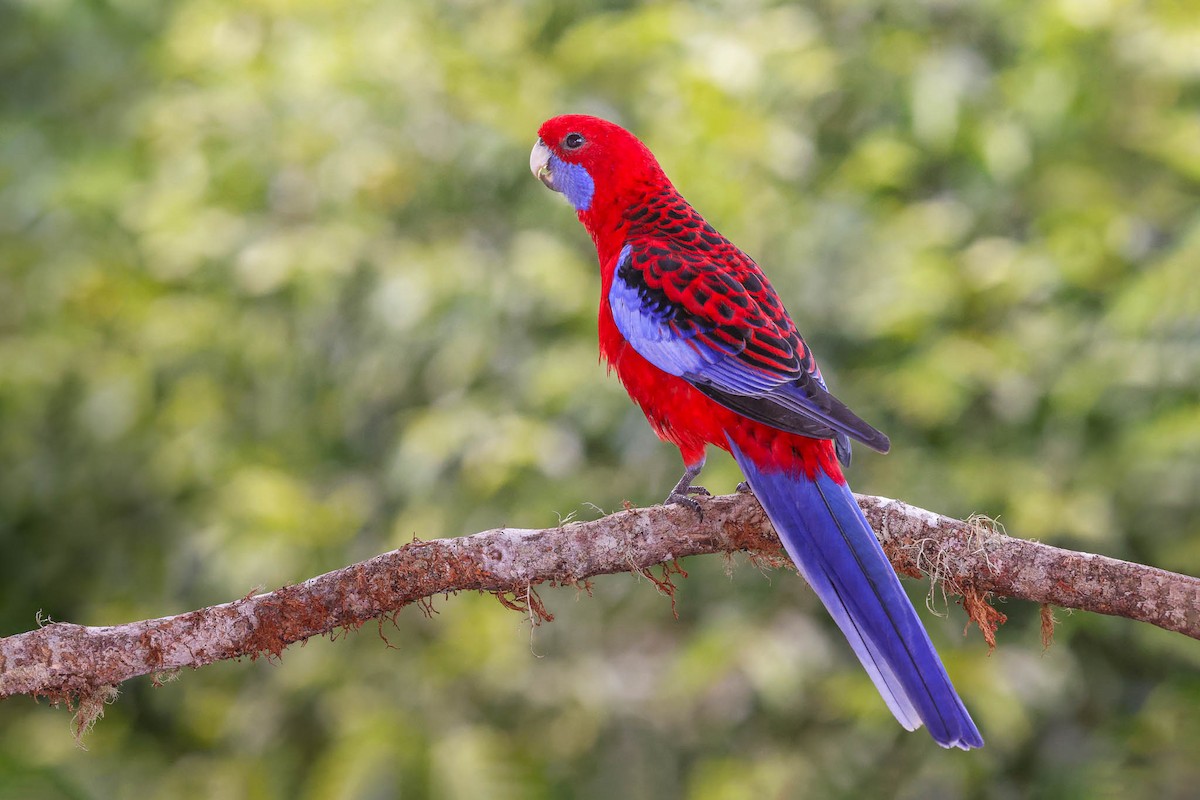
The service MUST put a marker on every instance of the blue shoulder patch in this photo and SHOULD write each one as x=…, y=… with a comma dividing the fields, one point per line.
x=649, y=330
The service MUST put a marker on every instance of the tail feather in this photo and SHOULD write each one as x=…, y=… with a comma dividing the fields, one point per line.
x=828, y=538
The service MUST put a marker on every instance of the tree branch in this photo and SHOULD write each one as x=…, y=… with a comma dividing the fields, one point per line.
x=74, y=663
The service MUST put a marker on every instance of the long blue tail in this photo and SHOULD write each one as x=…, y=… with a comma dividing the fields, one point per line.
x=829, y=539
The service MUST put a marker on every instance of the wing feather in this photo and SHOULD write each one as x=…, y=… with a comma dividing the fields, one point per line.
x=722, y=328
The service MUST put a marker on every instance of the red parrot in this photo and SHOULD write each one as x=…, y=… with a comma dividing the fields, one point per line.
x=703, y=345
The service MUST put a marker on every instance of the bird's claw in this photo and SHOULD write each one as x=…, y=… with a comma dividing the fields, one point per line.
x=744, y=488
x=682, y=491
x=683, y=499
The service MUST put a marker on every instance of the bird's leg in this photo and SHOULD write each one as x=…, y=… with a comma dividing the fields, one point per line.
x=684, y=488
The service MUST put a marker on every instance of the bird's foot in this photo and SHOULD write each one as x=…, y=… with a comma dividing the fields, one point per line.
x=683, y=491
x=744, y=488
x=683, y=499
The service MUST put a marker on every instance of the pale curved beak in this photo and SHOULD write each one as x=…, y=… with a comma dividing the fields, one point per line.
x=539, y=164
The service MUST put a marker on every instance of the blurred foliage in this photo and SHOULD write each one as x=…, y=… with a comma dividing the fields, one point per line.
x=277, y=292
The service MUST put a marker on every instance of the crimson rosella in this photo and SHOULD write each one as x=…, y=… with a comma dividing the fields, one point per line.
x=702, y=343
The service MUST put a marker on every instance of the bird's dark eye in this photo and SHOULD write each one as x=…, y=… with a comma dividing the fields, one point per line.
x=573, y=141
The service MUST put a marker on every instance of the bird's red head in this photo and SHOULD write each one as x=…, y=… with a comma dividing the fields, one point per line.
x=597, y=165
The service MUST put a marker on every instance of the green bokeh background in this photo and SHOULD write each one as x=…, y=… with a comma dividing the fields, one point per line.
x=277, y=293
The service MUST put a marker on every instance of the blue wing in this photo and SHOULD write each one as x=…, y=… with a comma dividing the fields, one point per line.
x=691, y=318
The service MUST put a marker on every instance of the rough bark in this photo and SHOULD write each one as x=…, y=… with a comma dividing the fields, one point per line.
x=82, y=665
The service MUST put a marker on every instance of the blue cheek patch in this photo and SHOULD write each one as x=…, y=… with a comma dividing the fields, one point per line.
x=574, y=182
